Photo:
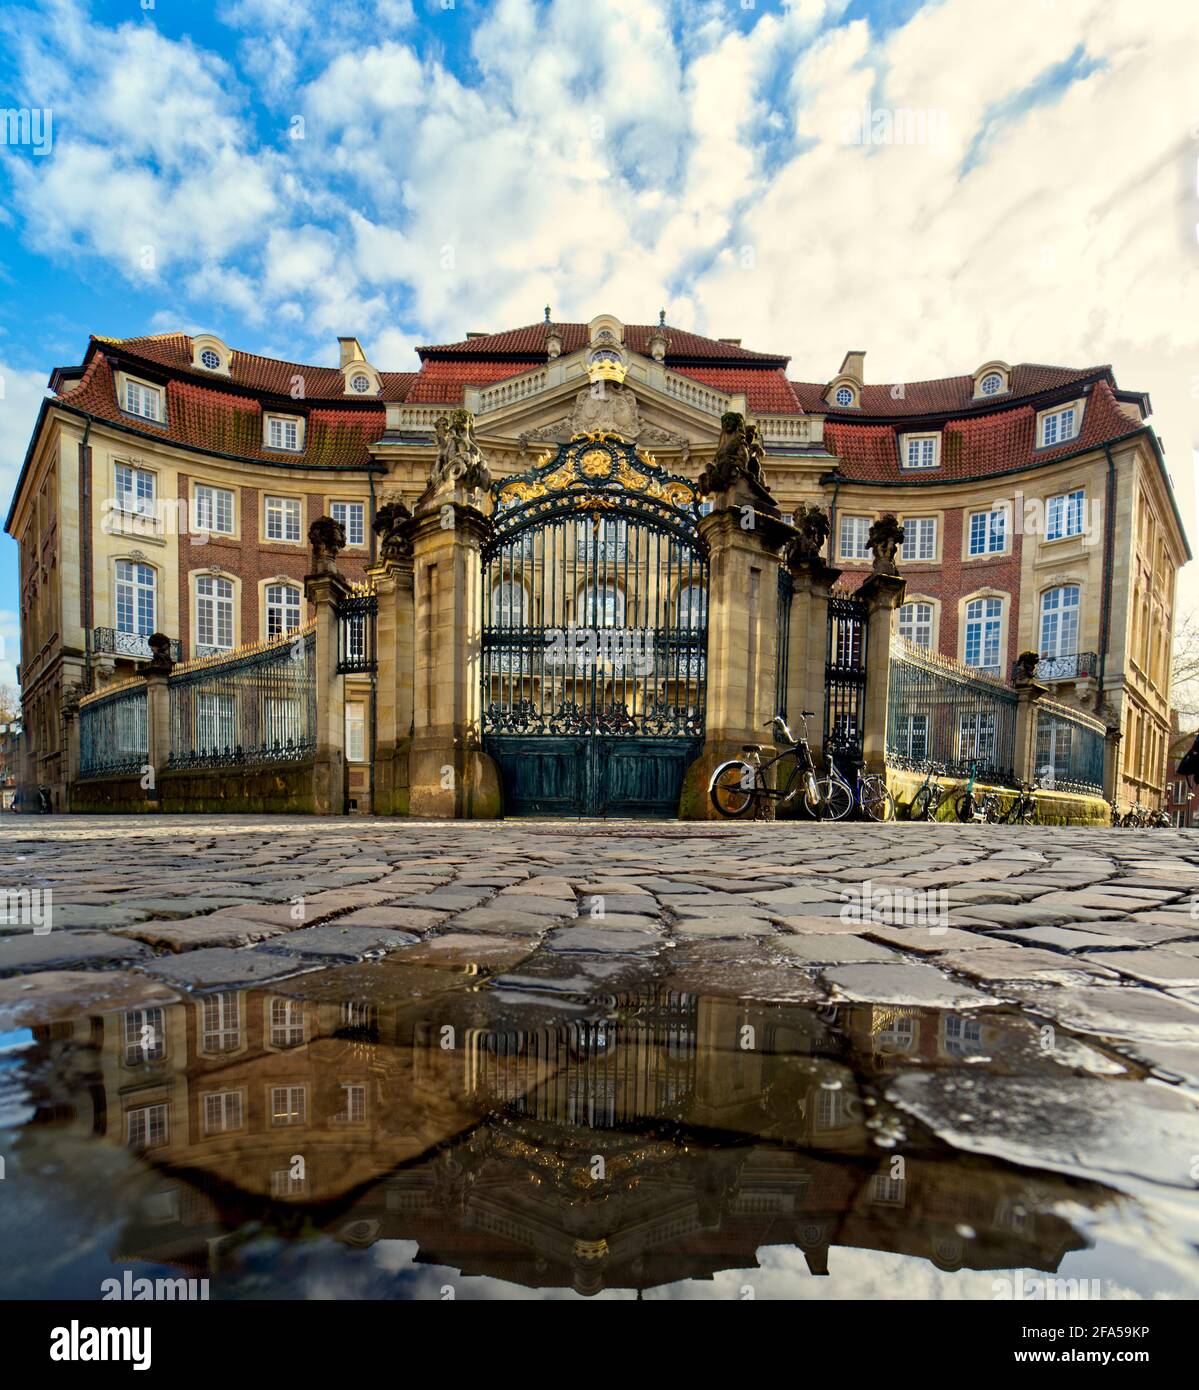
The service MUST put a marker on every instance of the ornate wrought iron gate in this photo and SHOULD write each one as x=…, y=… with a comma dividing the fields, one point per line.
x=595, y=599
x=845, y=679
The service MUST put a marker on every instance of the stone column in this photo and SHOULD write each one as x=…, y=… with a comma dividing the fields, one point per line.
x=882, y=594
x=158, y=712
x=1028, y=693
x=325, y=591
x=70, y=743
x=744, y=534
x=450, y=775
x=392, y=580
x=1111, y=762
x=808, y=644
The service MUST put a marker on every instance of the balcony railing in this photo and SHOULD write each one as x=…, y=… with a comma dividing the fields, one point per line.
x=107, y=641
x=1075, y=667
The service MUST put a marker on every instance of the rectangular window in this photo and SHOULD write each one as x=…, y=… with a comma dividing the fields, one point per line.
x=282, y=609
x=214, y=612
x=988, y=532
x=919, y=538
x=920, y=453
x=916, y=623
x=854, y=531
x=1057, y=426
x=915, y=737
x=222, y=1112
x=214, y=509
x=282, y=519
x=282, y=725
x=283, y=434
x=145, y=1036
x=146, y=1127
x=352, y=516
x=216, y=721
x=287, y=1023
x=354, y=1110
x=222, y=1022
x=145, y=401
x=976, y=737
x=135, y=490
x=356, y=731
x=288, y=1105
x=1064, y=515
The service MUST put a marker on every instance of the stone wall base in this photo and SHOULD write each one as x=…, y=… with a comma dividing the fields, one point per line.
x=453, y=784
x=274, y=790
x=1053, y=807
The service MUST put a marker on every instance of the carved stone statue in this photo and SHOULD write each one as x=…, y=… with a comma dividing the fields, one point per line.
x=739, y=455
x=606, y=406
x=160, y=654
x=884, y=540
x=388, y=524
x=812, y=523
x=460, y=461
x=326, y=537
x=1026, y=665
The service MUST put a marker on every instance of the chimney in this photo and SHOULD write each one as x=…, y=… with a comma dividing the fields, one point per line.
x=351, y=351
x=476, y=333
x=736, y=342
x=854, y=366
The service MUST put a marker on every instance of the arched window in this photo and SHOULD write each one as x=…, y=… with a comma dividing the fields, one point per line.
x=844, y=396
x=916, y=623
x=136, y=593
x=1059, y=621
x=214, y=613
x=991, y=384
x=693, y=606
x=282, y=609
x=603, y=607
x=507, y=604
x=984, y=627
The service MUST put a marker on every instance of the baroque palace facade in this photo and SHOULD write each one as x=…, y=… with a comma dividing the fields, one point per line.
x=171, y=482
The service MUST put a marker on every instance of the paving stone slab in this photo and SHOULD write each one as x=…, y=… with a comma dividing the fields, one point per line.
x=52, y=996
x=903, y=983
x=1064, y=938
x=839, y=949
x=212, y=967
x=1159, y=967
x=394, y=918
x=1013, y=963
x=336, y=940
x=65, y=948
x=602, y=941
x=931, y=940
x=1135, y=1013
x=199, y=932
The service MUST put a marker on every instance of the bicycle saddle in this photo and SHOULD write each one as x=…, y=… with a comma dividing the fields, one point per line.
x=751, y=747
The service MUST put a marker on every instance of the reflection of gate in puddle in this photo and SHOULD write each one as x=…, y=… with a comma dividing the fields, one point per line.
x=592, y=1073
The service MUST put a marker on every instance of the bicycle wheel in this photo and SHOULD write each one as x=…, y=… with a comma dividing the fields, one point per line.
x=734, y=787
x=964, y=806
x=877, y=801
x=836, y=800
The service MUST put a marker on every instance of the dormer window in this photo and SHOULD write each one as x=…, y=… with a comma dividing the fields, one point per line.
x=284, y=432
x=360, y=383
x=992, y=379
x=920, y=450
x=143, y=400
x=991, y=384
x=844, y=396
x=1058, y=426
x=210, y=359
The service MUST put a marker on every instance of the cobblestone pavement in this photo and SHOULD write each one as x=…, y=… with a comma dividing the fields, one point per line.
x=1083, y=942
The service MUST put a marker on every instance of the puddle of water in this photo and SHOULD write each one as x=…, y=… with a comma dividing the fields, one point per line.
x=383, y=1131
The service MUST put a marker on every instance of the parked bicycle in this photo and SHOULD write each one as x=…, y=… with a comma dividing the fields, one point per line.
x=972, y=806
x=742, y=784
x=1023, y=810
x=929, y=795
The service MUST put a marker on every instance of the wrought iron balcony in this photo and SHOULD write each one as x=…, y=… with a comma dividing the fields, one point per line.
x=107, y=641
x=1075, y=667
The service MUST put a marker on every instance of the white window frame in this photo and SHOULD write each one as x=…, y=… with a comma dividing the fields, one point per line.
x=211, y=512
x=224, y=1112
x=355, y=731
x=994, y=528
x=148, y=1127
x=278, y=515
x=926, y=533
x=284, y=433
x=135, y=489
x=289, y=1105
x=858, y=527
x=1059, y=621
x=288, y=1028
x=279, y=608
x=353, y=1111
x=216, y=720
x=215, y=1027
x=991, y=376
x=130, y=586
x=352, y=516
x=849, y=391
x=989, y=623
x=926, y=449
x=917, y=621
x=1059, y=425
x=215, y=612
x=1064, y=514
x=143, y=400
x=138, y=1048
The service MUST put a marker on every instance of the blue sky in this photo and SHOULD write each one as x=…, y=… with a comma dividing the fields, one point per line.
x=461, y=166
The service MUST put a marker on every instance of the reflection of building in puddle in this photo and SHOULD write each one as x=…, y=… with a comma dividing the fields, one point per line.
x=670, y=1137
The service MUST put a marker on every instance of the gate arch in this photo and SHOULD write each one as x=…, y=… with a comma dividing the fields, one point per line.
x=594, y=655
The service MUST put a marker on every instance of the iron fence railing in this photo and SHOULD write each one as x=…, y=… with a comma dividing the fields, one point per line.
x=782, y=643
x=1076, y=666
x=1069, y=749
x=114, y=737
x=107, y=641
x=845, y=678
x=257, y=706
x=940, y=711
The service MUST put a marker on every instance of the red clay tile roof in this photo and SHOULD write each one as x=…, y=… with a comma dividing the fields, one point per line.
x=947, y=395
x=206, y=418
x=977, y=446
x=529, y=342
x=444, y=381
x=768, y=392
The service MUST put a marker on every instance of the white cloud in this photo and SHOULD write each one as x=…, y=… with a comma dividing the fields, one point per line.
x=21, y=395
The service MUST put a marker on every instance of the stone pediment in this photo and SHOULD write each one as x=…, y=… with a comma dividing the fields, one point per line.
x=604, y=407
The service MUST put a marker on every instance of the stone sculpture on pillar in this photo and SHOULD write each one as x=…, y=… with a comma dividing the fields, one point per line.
x=460, y=461
x=883, y=542
x=737, y=465
x=326, y=538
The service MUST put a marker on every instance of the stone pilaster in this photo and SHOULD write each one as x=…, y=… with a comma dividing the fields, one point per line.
x=392, y=580
x=882, y=595
x=744, y=534
x=450, y=775
x=807, y=646
x=1028, y=694
x=325, y=590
